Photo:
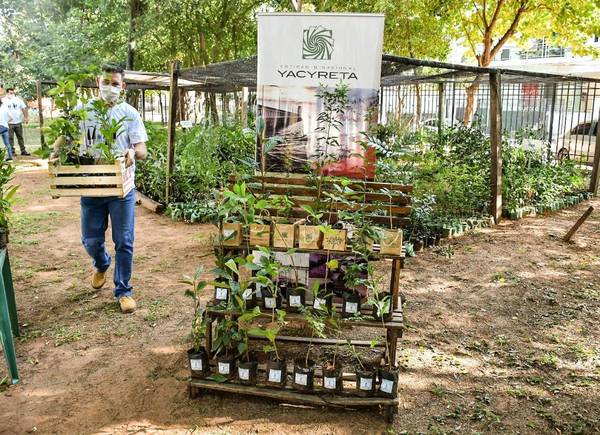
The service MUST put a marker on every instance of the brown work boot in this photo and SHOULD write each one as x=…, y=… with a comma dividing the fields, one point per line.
x=98, y=279
x=127, y=304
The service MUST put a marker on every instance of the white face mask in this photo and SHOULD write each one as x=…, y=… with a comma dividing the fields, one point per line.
x=109, y=93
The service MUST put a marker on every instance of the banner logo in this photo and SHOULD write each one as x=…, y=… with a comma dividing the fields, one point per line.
x=317, y=43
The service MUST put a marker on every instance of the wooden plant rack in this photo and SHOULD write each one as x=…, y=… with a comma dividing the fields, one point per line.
x=92, y=180
x=392, y=329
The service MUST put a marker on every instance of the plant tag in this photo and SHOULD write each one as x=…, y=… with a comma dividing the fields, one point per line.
x=319, y=303
x=301, y=379
x=270, y=303
x=386, y=386
x=196, y=364
x=244, y=374
x=329, y=383
x=352, y=307
x=295, y=300
x=247, y=294
x=221, y=294
x=228, y=233
x=258, y=290
x=274, y=375
x=224, y=368
x=186, y=123
x=366, y=384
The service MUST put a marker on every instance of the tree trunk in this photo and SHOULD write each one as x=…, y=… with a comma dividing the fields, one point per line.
x=417, y=118
x=470, y=106
x=136, y=8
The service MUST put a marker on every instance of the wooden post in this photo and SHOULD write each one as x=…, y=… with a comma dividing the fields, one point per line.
x=244, y=111
x=395, y=282
x=441, y=109
x=40, y=113
x=173, y=96
x=496, y=143
x=596, y=170
x=579, y=222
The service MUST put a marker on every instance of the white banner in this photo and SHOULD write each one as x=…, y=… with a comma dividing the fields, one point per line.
x=298, y=53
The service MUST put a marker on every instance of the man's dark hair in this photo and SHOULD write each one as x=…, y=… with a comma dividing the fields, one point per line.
x=10, y=89
x=113, y=69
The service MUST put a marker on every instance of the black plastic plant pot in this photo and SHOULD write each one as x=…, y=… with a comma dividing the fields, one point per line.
x=199, y=362
x=333, y=378
x=387, y=316
x=304, y=375
x=276, y=373
x=350, y=304
x=296, y=299
x=366, y=381
x=221, y=293
x=3, y=237
x=226, y=366
x=282, y=289
x=247, y=372
x=270, y=301
x=323, y=301
x=249, y=297
x=388, y=382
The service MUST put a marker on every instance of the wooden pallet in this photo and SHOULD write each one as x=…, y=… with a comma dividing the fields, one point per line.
x=92, y=180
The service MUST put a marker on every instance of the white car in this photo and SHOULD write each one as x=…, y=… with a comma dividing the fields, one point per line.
x=579, y=143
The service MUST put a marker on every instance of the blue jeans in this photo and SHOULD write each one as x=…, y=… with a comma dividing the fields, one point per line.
x=94, y=222
x=4, y=134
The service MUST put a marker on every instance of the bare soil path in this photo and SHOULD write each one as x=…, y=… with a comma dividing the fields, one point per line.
x=502, y=335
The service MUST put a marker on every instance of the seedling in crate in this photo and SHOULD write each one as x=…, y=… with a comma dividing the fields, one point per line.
x=276, y=365
x=365, y=377
x=197, y=355
x=304, y=368
x=247, y=367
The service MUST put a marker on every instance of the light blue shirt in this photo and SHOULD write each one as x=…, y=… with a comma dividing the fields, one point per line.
x=132, y=132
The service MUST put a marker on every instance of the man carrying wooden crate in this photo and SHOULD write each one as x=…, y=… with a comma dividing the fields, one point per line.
x=96, y=211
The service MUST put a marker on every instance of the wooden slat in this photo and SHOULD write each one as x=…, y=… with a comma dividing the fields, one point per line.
x=288, y=395
x=87, y=181
x=324, y=341
x=98, y=192
x=396, y=211
x=85, y=169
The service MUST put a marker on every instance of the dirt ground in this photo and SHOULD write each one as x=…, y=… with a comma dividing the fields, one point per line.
x=502, y=335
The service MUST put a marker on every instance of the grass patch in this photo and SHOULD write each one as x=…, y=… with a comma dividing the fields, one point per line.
x=63, y=335
x=26, y=224
x=158, y=309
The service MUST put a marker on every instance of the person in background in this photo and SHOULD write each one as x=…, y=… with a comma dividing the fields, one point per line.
x=4, y=120
x=18, y=113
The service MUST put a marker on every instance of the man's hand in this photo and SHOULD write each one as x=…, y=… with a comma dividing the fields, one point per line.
x=129, y=156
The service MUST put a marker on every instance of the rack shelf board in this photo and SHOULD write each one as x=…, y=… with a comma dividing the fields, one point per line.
x=288, y=395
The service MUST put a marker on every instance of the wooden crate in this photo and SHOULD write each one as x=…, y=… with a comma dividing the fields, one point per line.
x=92, y=180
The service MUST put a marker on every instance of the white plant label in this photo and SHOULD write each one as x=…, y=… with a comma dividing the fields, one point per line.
x=366, y=384
x=270, y=303
x=352, y=307
x=247, y=294
x=301, y=379
x=319, y=303
x=274, y=375
x=224, y=368
x=295, y=301
x=329, y=383
x=244, y=374
x=258, y=291
x=386, y=386
x=221, y=294
x=228, y=233
x=196, y=364
x=186, y=123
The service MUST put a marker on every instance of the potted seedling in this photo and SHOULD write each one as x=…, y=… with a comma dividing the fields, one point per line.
x=296, y=298
x=334, y=234
x=304, y=368
x=266, y=273
x=354, y=277
x=309, y=234
x=247, y=368
x=333, y=373
x=322, y=297
x=380, y=300
x=366, y=378
x=198, y=357
x=276, y=375
x=283, y=230
x=388, y=374
x=7, y=194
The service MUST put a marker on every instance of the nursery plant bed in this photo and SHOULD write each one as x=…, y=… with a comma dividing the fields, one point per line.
x=92, y=180
x=319, y=397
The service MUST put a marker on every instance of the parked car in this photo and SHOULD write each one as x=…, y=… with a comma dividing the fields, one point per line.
x=576, y=143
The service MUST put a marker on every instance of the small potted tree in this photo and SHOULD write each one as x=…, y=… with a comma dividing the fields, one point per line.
x=198, y=357
x=304, y=368
x=276, y=375
x=366, y=378
x=354, y=278
x=247, y=367
x=283, y=230
x=224, y=347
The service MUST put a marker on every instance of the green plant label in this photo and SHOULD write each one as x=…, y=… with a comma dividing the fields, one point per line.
x=221, y=294
x=352, y=307
x=196, y=364
x=319, y=304
x=295, y=301
x=301, y=379
x=329, y=383
x=270, y=303
x=274, y=375
x=244, y=374
x=366, y=384
x=386, y=386
x=224, y=368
